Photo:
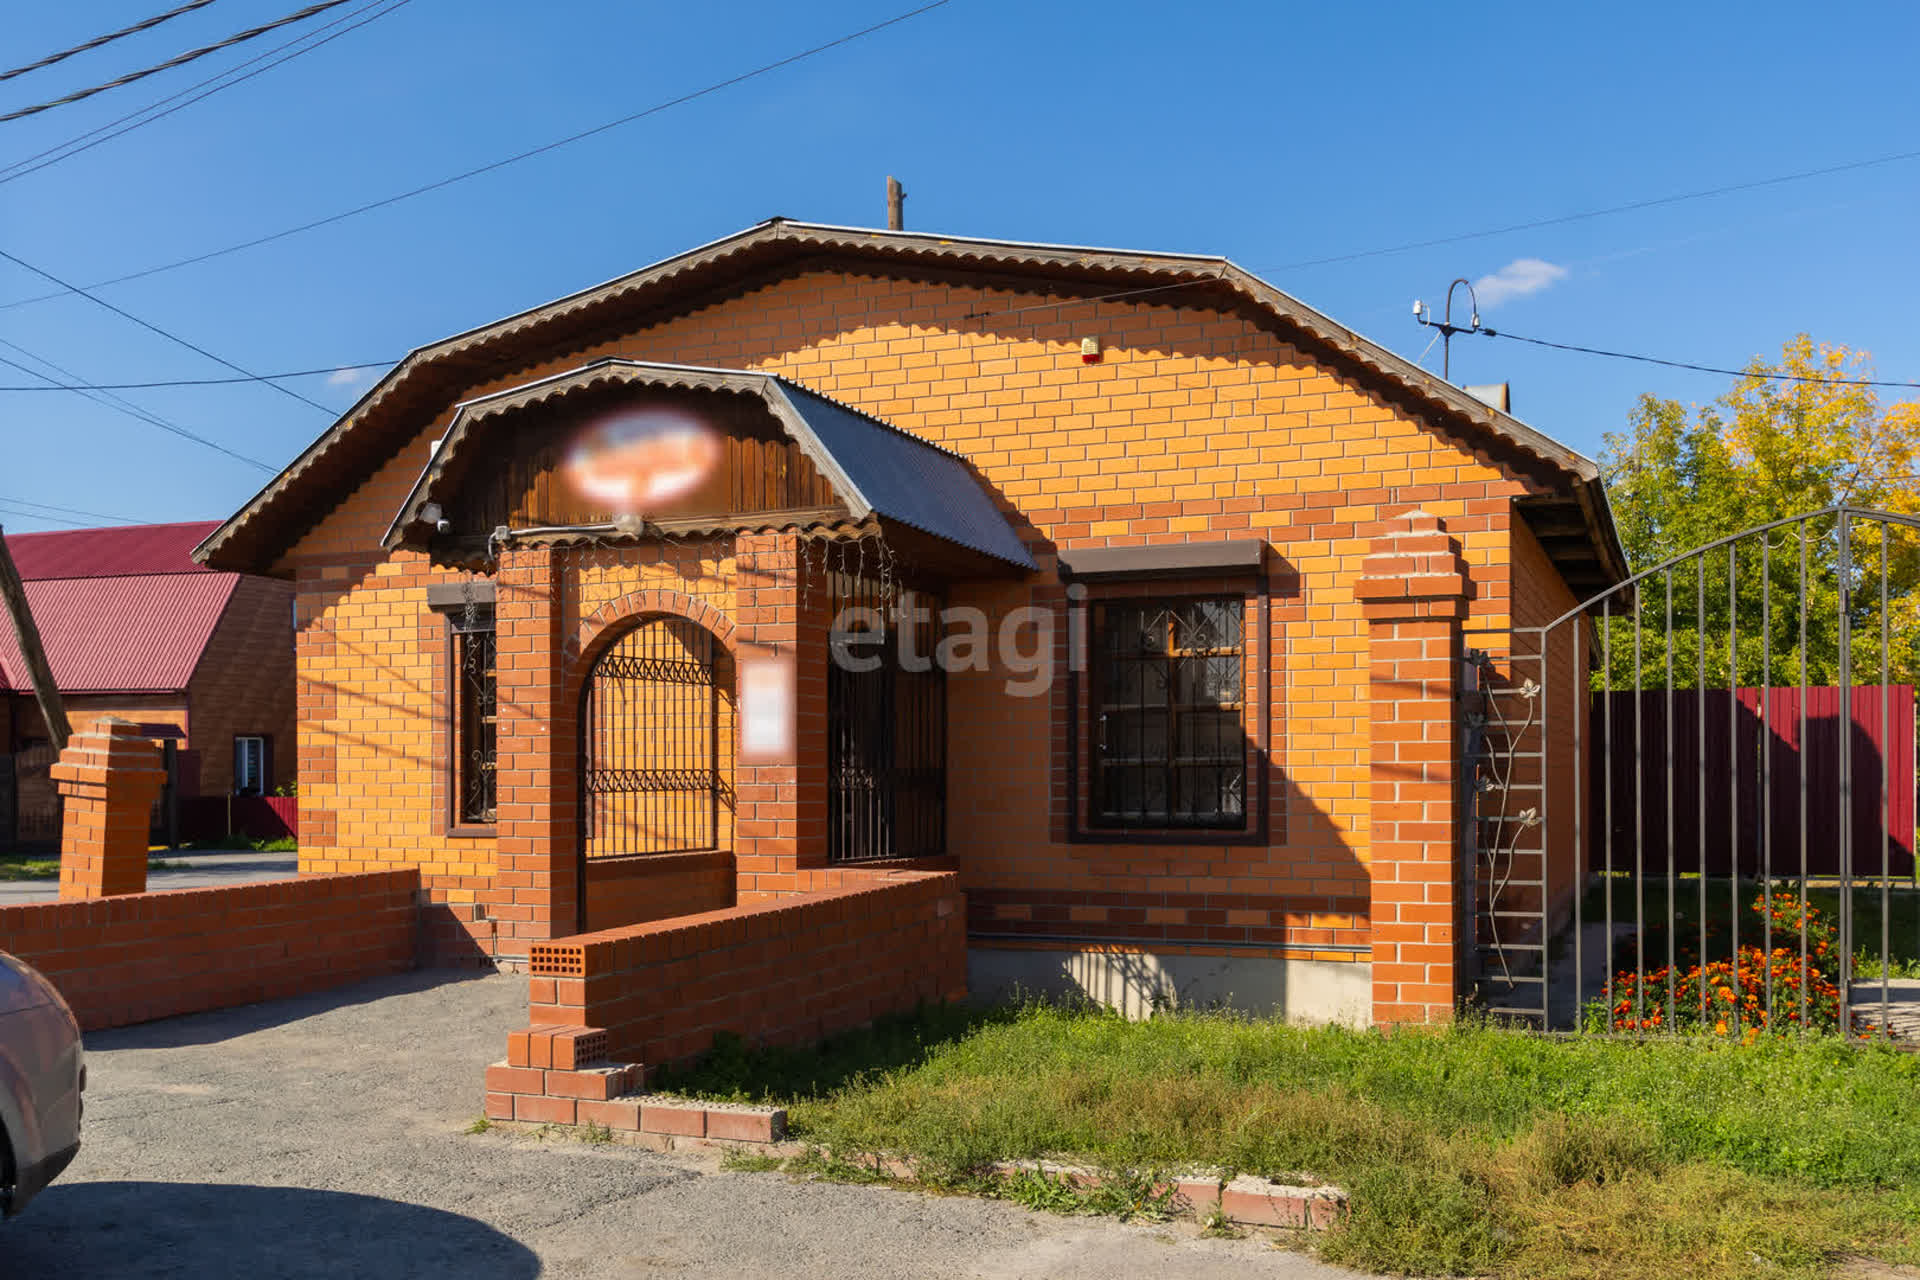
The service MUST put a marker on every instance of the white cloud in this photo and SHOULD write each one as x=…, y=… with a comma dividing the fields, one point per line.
x=347, y=377
x=1517, y=279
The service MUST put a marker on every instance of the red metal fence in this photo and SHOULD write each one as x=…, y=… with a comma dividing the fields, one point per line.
x=1718, y=754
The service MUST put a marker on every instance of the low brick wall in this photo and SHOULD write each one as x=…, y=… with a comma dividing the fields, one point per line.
x=143, y=956
x=782, y=971
x=624, y=891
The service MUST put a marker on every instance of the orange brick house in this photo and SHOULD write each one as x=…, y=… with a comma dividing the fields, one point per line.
x=133, y=627
x=1121, y=585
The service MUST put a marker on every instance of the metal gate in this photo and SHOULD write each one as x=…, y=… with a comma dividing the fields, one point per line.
x=650, y=743
x=29, y=802
x=1691, y=798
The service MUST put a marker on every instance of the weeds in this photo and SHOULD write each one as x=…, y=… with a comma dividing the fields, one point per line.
x=596, y=1135
x=478, y=1126
x=735, y=1160
x=1467, y=1151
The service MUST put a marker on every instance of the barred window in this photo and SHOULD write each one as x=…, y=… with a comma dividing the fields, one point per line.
x=1168, y=699
x=476, y=714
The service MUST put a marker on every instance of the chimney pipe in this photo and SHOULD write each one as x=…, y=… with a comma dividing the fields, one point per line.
x=896, y=204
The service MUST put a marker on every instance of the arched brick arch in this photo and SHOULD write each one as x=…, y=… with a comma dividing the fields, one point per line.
x=607, y=623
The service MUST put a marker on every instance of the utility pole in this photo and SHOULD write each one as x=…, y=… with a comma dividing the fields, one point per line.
x=896, y=204
x=45, y=692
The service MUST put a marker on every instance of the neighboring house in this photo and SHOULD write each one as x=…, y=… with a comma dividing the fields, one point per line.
x=134, y=628
x=578, y=589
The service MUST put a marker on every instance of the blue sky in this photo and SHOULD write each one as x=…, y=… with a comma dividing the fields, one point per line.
x=1273, y=133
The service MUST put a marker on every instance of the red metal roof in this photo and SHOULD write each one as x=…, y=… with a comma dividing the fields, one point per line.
x=120, y=635
x=123, y=610
x=110, y=553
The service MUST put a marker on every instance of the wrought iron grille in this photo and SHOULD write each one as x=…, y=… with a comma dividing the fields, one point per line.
x=477, y=715
x=1169, y=695
x=650, y=743
x=886, y=724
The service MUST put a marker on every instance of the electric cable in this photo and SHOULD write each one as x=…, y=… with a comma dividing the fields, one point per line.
x=121, y=405
x=35, y=515
x=1697, y=368
x=145, y=24
x=192, y=55
x=208, y=382
x=72, y=511
x=478, y=170
x=91, y=138
x=154, y=328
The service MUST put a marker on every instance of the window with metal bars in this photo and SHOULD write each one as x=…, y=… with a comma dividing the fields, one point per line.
x=1168, y=700
x=886, y=726
x=476, y=715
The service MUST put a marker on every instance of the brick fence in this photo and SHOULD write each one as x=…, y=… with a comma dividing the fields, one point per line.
x=781, y=971
x=138, y=957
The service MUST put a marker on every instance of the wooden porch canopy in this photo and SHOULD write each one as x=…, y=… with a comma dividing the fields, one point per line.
x=773, y=454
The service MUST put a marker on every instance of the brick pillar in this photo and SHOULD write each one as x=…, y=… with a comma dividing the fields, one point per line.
x=1412, y=591
x=780, y=828
x=535, y=895
x=108, y=777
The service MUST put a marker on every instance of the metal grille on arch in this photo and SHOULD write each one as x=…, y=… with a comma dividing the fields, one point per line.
x=659, y=716
x=1689, y=801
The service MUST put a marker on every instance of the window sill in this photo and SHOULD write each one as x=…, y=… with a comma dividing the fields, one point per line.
x=472, y=833
x=1172, y=839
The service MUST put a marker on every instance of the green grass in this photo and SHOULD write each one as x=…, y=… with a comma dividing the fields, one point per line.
x=36, y=867
x=1470, y=1151
x=241, y=844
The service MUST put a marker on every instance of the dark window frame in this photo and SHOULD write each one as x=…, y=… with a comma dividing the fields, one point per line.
x=1171, y=583
x=1164, y=675
x=473, y=716
x=266, y=764
x=464, y=604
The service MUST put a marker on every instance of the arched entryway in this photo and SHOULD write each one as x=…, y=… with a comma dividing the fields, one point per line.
x=656, y=769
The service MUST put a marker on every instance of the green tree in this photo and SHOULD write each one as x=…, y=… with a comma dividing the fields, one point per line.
x=1766, y=451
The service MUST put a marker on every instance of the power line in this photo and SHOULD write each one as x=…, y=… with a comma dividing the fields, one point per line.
x=35, y=515
x=1609, y=211
x=1408, y=247
x=208, y=382
x=93, y=137
x=1699, y=368
x=72, y=511
x=120, y=404
x=180, y=60
x=95, y=43
x=529, y=154
x=154, y=328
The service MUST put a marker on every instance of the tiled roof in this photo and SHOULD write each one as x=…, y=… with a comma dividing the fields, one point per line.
x=432, y=378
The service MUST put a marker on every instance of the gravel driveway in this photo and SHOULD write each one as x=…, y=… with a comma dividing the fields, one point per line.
x=323, y=1136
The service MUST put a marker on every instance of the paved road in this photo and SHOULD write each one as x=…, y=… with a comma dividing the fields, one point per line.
x=322, y=1137
x=200, y=871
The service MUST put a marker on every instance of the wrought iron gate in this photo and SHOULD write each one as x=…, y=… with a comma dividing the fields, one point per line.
x=1691, y=798
x=650, y=744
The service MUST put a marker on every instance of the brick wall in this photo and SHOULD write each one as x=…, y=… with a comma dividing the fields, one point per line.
x=244, y=684
x=154, y=955
x=781, y=971
x=623, y=891
x=1196, y=424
